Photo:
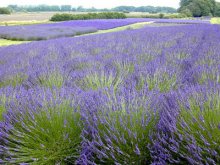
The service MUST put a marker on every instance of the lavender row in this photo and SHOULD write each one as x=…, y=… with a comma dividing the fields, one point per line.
x=72, y=28
x=36, y=32
x=147, y=96
x=104, y=24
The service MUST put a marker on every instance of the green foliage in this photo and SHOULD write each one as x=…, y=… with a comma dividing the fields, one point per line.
x=2, y=106
x=54, y=79
x=186, y=12
x=49, y=136
x=202, y=119
x=104, y=15
x=195, y=9
x=4, y=10
x=198, y=8
x=127, y=128
x=159, y=80
x=161, y=15
x=217, y=9
x=61, y=17
x=101, y=80
x=13, y=80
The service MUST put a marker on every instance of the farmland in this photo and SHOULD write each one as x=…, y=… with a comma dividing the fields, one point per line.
x=147, y=93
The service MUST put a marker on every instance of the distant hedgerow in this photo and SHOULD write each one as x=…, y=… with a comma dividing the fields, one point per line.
x=104, y=15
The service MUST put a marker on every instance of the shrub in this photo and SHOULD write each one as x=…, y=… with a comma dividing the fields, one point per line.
x=161, y=15
x=121, y=127
x=41, y=128
x=189, y=128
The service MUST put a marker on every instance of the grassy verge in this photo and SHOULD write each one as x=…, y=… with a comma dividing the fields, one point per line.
x=127, y=27
x=13, y=23
x=215, y=20
x=4, y=42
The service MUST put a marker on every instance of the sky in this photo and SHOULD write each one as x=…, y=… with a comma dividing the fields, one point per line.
x=94, y=3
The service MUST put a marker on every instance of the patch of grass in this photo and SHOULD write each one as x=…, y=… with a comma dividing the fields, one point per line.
x=127, y=27
x=215, y=20
x=4, y=42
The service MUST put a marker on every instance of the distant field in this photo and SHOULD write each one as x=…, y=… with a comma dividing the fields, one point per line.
x=45, y=16
x=40, y=16
x=32, y=16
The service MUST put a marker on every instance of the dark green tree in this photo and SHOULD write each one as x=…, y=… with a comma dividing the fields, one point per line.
x=217, y=9
x=198, y=8
x=4, y=10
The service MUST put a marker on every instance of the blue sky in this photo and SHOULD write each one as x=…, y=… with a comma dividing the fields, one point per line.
x=94, y=3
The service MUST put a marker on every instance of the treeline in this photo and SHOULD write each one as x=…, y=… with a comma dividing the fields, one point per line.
x=103, y=15
x=149, y=9
x=40, y=8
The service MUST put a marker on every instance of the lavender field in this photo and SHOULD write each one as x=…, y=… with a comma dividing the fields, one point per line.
x=76, y=27
x=144, y=96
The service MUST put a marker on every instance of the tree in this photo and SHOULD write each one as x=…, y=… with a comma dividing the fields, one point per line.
x=4, y=10
x=66, y=8
x=198, y=8
x=195, y=9
x=186, y=12
x=217, y=10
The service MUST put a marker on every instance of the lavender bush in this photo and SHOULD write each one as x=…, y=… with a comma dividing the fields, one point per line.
x=120, y=127
x=146, y=96
x=188, y=127
x=43, y=130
